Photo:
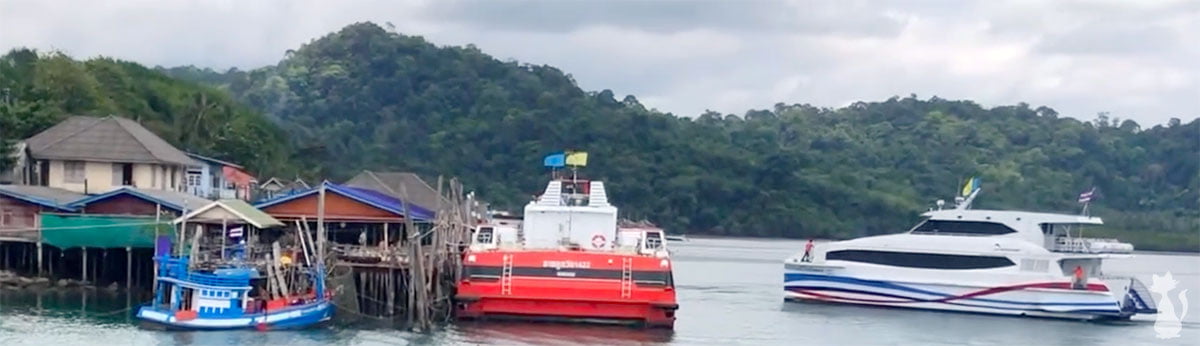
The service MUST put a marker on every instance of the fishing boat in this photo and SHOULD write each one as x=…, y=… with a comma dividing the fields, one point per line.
x=245, y=280
x=567, y=260
x=980, y=261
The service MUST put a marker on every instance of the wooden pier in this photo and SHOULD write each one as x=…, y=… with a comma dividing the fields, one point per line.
x=388, y=260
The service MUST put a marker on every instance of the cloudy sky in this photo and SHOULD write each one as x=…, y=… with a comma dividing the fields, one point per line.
x=1137, y=59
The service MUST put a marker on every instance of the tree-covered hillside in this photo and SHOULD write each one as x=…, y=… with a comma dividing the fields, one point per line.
x=364, y=97
x=38, y=90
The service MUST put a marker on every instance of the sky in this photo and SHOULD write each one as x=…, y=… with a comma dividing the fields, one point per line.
x=1135, y=59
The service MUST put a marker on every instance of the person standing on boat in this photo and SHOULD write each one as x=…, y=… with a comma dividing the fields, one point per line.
x=1079, y=281
x=807, y=252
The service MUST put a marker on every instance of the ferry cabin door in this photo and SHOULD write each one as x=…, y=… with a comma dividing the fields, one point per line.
x=1089, y=266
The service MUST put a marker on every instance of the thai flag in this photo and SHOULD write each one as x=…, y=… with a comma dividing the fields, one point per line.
x=1087, y=196
x=235, y=232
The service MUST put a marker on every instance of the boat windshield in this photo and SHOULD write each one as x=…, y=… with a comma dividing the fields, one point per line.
x=949, y=227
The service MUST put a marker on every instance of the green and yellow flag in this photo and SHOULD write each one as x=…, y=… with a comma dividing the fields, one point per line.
x=578, y=158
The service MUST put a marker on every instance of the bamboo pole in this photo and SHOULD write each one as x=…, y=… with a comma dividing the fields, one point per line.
x=418, y=265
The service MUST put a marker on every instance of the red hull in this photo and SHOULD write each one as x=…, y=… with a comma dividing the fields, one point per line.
x=568, y=285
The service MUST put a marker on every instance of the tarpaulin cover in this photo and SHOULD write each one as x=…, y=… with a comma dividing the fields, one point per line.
x=101, y=231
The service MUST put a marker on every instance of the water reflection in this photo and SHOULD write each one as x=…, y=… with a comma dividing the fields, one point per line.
x=506, y=332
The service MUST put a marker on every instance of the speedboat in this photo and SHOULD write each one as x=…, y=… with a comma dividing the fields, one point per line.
x=568, y=260
x=981, y=261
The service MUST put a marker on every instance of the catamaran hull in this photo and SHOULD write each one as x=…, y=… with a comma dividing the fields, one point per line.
x=290, y=318
x=1040, y=299
x=569, y=286
x=568, y=310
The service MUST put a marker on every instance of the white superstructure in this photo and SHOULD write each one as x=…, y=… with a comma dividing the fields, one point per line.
x=571, y=214
x=988, y=261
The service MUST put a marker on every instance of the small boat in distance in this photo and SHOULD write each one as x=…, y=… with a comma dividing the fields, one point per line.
x=568, y=260
x=676, y=237
x=983, y=261
x=240, y=281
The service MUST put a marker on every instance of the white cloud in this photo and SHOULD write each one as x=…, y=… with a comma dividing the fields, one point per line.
x=1134, y=59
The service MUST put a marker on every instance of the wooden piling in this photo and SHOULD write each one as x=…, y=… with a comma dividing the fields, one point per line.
x=128, y=268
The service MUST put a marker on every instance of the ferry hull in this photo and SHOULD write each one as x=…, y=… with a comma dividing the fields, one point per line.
x=594, y=291
x=1035, y=299
x=300, y=316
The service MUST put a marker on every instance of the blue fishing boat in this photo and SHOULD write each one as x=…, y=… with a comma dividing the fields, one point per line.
x=238, y=286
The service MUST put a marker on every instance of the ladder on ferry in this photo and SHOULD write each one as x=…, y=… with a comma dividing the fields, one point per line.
x=1138, y=298
x=506, y=275
x=626, y=277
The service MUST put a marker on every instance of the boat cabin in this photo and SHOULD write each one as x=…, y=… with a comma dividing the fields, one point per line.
x=1055, y=232
x=570, y=214
x=494, y=236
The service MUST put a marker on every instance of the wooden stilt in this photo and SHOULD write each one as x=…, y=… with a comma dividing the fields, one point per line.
x=39, y=257
x=128, y=268
x=83, y=273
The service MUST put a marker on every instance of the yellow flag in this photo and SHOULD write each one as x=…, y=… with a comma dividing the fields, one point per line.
x=578, y=158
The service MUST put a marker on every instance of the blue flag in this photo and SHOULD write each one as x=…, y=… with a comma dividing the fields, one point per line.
x=555, y=160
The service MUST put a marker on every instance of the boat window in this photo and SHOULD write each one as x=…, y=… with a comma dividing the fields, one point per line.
x=961, y=227
x=653, y=240
x=920, y=260
x=484, y=236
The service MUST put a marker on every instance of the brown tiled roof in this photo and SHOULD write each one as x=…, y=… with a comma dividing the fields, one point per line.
x=419, y=192
x=106, y=139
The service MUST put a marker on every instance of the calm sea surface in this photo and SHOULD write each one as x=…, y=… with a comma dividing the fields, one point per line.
x=729, y=291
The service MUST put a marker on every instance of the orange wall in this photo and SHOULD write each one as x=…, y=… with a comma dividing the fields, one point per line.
x=337, y=207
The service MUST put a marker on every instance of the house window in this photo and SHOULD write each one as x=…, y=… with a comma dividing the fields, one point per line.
x=154, y=176
x=173, y=177
x=117, y=176
x=6, y=218
x=73, y=171
x=193, y=179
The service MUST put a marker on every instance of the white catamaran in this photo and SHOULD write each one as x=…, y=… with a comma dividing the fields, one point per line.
x=982, y=261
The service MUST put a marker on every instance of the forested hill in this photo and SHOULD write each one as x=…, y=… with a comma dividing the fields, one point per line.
x=364, y=97
x=37, y=90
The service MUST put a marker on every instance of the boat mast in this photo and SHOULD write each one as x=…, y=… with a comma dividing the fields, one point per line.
x=320, y=274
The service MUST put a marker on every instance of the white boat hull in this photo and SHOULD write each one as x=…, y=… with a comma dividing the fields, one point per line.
x=1039, y=299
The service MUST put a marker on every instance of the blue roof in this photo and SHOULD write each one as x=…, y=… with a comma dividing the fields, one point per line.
x=173, y=200
x=366, y=196
x=40, y=195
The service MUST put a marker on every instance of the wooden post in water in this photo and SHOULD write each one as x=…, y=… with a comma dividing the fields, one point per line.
x=416, y=266
x=129, y=268
x=37, y=225
x=83, y=273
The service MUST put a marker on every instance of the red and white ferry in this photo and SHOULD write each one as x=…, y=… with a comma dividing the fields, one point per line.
x=568, y=260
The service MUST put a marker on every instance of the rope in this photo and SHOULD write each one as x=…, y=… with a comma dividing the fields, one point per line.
x=88, y=227
x=102, y=314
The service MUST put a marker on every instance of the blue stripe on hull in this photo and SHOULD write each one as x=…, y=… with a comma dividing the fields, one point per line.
x=1087, y=309
x=889, y=285
x=323, y=313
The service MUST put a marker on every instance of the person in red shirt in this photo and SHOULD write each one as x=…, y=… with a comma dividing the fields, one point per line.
x=807, y=252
